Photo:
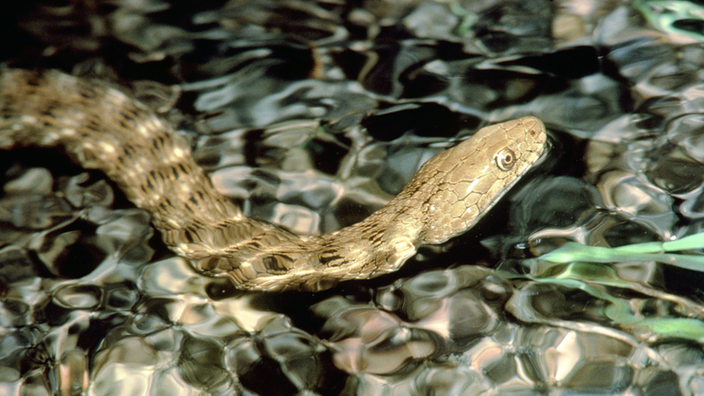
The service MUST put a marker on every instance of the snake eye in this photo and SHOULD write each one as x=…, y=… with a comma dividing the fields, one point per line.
x=505, y=159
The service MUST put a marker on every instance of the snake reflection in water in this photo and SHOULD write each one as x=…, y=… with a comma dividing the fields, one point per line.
x=102, y=128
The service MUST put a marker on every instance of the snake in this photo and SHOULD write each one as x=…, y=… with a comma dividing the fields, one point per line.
x=99, y=125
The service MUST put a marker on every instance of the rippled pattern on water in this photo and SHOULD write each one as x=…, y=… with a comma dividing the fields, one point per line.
x=312, y=115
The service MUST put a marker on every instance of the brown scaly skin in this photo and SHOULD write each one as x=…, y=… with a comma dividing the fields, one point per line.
x=102, y=128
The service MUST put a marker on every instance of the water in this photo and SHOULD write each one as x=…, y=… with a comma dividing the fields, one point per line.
x=312, y=115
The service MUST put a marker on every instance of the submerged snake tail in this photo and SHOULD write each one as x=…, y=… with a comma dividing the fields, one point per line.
x=102, y=128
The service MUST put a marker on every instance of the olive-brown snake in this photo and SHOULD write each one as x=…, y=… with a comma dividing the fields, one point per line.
x=102, y=128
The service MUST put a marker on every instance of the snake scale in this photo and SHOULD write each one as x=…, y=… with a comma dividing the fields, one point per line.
x=100, y=127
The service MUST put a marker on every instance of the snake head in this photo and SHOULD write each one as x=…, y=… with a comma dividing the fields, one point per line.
x=468, y=179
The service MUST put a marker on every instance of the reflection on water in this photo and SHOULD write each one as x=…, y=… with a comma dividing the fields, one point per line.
x=312, y=115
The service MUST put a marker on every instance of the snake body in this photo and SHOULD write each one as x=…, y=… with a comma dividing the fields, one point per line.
x=101, y=127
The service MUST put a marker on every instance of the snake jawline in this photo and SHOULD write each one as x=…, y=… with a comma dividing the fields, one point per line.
x=102, y=128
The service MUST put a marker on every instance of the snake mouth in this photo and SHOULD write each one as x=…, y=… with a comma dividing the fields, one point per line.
x=544, y=146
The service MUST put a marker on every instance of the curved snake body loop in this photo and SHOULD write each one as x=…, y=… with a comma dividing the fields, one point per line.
x=102, y=128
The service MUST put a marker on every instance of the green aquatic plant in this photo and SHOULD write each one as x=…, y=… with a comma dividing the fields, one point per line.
x=651, y=251
x=592, y=269
x=681, y=18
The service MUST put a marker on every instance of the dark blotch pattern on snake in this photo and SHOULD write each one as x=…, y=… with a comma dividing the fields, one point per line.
x=102, y=128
